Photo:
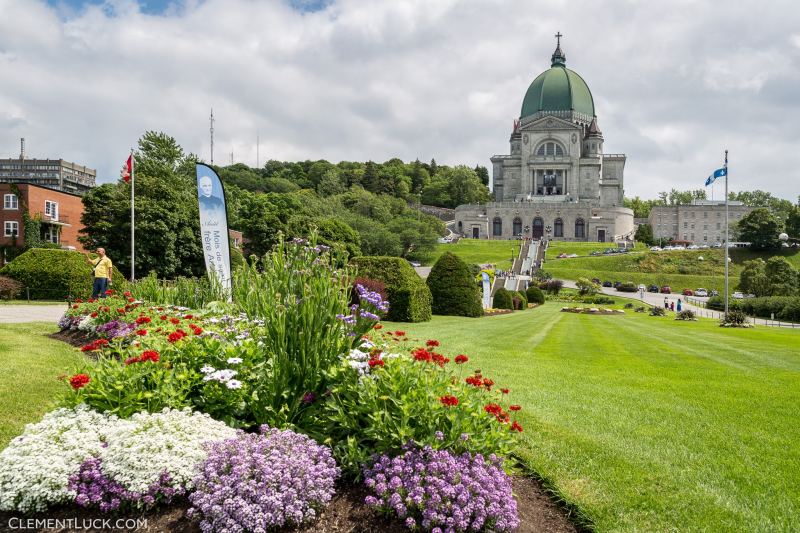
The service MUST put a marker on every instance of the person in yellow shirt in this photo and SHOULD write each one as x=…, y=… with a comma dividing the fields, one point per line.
x=102, y=273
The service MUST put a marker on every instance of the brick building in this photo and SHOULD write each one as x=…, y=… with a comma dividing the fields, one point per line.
x=60, y=214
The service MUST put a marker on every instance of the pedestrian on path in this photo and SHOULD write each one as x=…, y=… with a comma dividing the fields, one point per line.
x=666, y=303
x=672, y=306
x=101, y=269
x=679, y=305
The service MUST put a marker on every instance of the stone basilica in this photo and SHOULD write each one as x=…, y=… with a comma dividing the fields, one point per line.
x=556, y=183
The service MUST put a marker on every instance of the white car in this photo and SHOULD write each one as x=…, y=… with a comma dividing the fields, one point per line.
x=692, y=247
x=738, y=295
x=655, y=248
x=702, y=293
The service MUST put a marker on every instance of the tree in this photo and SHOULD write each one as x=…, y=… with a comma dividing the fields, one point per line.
x=453, y=288
x=760, y=228
x=587, y=287
x=644, y=233
x=330, y=184
x=793, y=223
x=781, y=276
x=419, y=177
x=482, y=173
x=464, y=186
x=780, y=208
x=753, y=279
x=641, y=208
x=676, y=197
x=436, y=193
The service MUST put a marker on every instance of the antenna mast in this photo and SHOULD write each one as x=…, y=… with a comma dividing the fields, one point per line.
x=212, y=135
x=257, y=146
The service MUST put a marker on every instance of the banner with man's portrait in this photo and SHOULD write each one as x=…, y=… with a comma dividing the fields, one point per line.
x=214, y=225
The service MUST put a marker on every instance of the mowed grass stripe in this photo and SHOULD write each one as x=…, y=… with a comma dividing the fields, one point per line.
x=649, y=424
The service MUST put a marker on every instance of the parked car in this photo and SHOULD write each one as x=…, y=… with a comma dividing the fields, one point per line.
x=693, y=247
x=688, y=292
x=596, y=280
x=717, y=245
x=714, y=293
x=617, y=284
x=655, y=248
x=641, y=287
x=596, y=253
x=607, y=284
x=702, y=293
x=653, y=288
x=666, y=289
x=738, y=295
x=415, y=263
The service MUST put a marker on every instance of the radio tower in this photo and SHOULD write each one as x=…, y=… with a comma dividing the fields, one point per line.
x=212, y=135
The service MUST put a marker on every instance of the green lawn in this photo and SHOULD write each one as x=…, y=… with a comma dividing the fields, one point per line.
x=30, y=364
x=644, y=423
x=479, y=251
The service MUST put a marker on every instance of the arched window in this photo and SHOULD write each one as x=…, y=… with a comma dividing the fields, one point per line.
x=517, y=226
x=538, y=228
x=550, y=148
x=497, y=227
x=580, y=229
x=558, y=228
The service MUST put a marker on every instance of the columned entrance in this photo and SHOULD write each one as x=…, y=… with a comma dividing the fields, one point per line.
x=538, y=228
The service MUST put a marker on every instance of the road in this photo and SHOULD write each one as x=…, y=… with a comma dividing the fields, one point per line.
x=14, y=314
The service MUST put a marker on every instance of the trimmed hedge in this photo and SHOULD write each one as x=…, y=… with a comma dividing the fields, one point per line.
x=520, y=300
x=783, y=307
x=627, y=287
x=453, y=288
x=409, y=296
x=502, y=299
x=52, y=274
x=535, y=295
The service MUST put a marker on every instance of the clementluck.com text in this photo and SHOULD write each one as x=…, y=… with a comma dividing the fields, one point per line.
x=130, y=524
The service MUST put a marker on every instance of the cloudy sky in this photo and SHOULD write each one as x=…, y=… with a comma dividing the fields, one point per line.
x=675, y=82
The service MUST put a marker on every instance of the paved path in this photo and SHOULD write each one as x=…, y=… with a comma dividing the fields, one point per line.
x=10, y=314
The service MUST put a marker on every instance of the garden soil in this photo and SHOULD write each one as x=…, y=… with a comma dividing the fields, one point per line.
x=346, y=513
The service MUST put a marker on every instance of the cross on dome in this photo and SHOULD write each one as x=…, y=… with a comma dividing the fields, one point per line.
x=558, y=56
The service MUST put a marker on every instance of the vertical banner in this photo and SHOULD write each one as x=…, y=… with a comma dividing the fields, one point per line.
x=214, y=225
x=487, y=291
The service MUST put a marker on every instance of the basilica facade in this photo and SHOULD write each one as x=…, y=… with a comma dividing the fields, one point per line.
x=557, y=182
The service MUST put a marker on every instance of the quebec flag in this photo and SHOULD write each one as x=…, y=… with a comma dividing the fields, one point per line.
x=720, y=172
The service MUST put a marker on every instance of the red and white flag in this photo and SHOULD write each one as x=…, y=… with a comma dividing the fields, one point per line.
x=125, y=173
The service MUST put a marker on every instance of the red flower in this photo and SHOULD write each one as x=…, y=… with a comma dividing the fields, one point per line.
x=131, y=300
x=175, y=320
x=377, y=326
x=188, y=317
x=448, y=400
x=515, y=427
x=141, y=332
x=197, y=330
x=105, y=309
x=131, y=360
x=421, y=354
x=78, y=300
x=127, y=294
x=90, y=300
x=109, y=292
x=461, y=359
x=94, y=315
x=101, y=342
x=504, y=391
x=174, y=337
x=432, y=343
x=143, y=320
x=488, y=383
x=75, y=306
x=375, y=362
x=150, y=355
x=78, y=380
x=475, y=381
x=88, y=348
x=493, y=409
x=514, y=407
x=163, y=317
x=400, y=333
x=120, y=310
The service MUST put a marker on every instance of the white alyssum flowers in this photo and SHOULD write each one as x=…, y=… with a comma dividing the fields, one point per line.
x=36, y=466
x=87, y=323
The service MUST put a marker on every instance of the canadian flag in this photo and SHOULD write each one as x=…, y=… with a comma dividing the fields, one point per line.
x=125, y=173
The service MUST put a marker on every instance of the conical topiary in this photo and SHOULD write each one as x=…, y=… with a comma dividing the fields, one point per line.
x=453, y=288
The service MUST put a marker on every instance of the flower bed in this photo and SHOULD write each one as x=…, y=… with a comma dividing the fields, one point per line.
x=592, y=311
x=169, y=405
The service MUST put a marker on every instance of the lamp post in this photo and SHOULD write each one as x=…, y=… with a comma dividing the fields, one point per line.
x=547, y=230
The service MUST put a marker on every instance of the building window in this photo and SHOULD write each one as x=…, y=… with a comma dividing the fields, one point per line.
x=537, y=230
x=51, y=209
x=11, y=228
x=685, y=225
x=558, y=228
x=460, y=226
x=497, y=227
x=705, y=238
x=718, y=225
x=705, y=214
x=517, y=226
x=550, y=148
x=580, y=229
x=51, y=234
x=10, y=201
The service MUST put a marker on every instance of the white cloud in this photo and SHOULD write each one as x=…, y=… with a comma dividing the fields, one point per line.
x=675, y=83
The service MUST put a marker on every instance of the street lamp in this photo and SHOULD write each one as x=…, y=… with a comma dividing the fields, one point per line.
x=547, y=230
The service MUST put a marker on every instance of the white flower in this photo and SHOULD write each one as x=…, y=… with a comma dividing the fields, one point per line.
x=221, y=375
x=207, y=369
x=234, y=360
x=233, y=384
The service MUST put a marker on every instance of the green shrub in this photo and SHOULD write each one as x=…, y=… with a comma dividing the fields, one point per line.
x=657, y=311
x=551, y=286
x=409, y=296
x=10, y=289
x=52, y=274
x=627, y=287
x=628, y=305
x=535, y=295
x=453, y=288
x=520, y=300
x=502, y=299
x=686, y=314
x=735, y=318
x=599, y=300
x=587, y=287
x=791, y=311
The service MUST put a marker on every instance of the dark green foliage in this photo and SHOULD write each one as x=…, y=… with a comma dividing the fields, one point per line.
x=598, y=299
x=686, y=314
x=779, y=307
x=657, y=311
x=782, y=277
x=535, y=295
x=502, y=299
x=793, y=223
x=520, y=300
x=734, y=318
x=791, y=311
x=627, y=287
x=551, y=286
x=644, y=233
x=760, y=228
x=52, y=274
x=453, y=288
x=409, y=296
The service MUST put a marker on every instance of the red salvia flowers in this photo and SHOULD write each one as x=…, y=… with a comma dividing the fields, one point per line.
x=461, y=359
x=78, y=381
x=515, y=427
x=143, y=320
x=449, y=400
x=514, y=407
x=432, y=343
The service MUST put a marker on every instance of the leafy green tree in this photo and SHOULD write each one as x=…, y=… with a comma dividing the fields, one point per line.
x=330, y=184
x=780, y=208
x=644, y=233
x=437, y=192
x=587, y=287
x=793, y=223
x=465, y=186
x=760, y=228
x=782, y=277
x=676, y=197
x=641, y=208
x=483, y=174
x=419, y=177
x=753, y=278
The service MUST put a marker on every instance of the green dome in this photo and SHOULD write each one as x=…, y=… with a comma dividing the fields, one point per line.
x=558, y=89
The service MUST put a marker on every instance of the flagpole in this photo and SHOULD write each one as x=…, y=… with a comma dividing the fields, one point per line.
x=727, y=244
x=133, y=211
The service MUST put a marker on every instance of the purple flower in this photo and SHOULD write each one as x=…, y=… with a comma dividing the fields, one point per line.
x=439, y=435
x=309, y=397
